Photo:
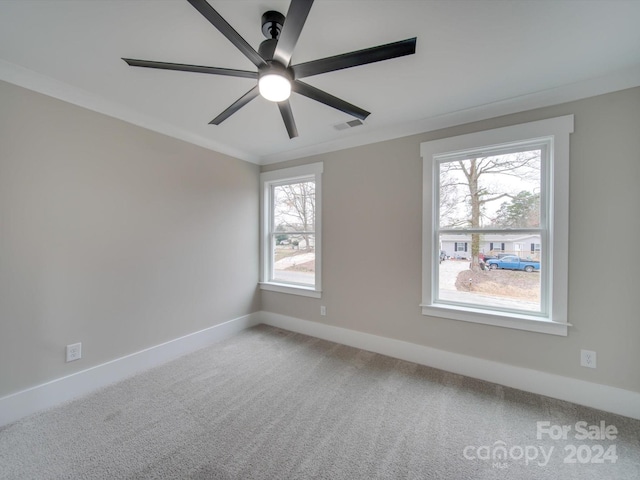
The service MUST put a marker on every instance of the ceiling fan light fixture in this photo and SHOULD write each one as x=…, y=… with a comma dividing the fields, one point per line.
x=274, y=82
x=274, y=87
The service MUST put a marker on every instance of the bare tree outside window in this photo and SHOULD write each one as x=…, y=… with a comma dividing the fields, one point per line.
x=294, y=216
x=474, y=190
x=489, y=209
x=495, y=226
x=295, y=209
x=291, y=230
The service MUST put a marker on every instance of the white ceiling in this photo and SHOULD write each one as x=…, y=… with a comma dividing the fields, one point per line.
x=475, y=59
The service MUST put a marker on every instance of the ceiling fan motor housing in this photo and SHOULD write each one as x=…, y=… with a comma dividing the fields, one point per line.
x=267, y=48
x=272, y=22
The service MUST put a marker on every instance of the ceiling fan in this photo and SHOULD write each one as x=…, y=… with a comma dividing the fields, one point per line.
x=276, y=77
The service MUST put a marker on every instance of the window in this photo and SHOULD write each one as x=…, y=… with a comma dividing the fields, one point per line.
x=461, y=247
x=499, y=188
x=496, y=247
x=291, y=230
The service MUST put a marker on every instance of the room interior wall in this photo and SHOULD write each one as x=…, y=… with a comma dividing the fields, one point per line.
x=113, y=236
x=122, y=238
x=372, y=220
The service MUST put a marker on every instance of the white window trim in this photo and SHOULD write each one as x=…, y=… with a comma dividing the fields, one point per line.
x=278, y=176
x=558, y=130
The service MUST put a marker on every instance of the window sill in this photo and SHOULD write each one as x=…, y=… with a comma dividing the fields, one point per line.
x=291, y=289
x=507, y=320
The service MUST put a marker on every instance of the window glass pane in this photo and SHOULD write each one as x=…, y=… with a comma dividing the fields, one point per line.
x=500, y=191
x=294, y=207
x=294, y=258
x=507, y=279
x=290, y=229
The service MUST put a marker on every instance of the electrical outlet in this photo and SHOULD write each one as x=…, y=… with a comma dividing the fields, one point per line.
x=323, y=310
x=74, y=352
x=588, y=358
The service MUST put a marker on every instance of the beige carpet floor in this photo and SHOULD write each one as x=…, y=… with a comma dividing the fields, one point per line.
x=271, y=404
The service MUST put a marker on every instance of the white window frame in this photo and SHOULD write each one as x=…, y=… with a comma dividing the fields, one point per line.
x=302, y=173
x=557, y=132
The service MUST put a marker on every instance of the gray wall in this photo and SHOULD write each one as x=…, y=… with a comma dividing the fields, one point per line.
x=113, y=236
x=121, y=238
x=372, y=201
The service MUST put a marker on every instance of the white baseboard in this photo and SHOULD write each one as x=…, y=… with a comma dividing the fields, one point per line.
x=603, y=397
x=18, y=405
x=611, y=399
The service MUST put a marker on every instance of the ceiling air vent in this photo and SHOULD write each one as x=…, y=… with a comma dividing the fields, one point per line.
x=350, y=124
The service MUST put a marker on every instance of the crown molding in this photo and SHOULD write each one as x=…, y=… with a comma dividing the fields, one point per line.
x=23, y=77
x=619, y=80
x=37, y=82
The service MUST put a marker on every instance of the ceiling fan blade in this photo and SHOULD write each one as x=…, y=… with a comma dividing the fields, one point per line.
x=227, y=30
x=354, y=59
x=191, y=68
x=287, y=117
x=293, y=23
x=235, y=106
x=323, y=97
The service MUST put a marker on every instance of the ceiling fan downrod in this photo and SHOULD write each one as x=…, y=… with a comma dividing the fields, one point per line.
x=272, y=22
